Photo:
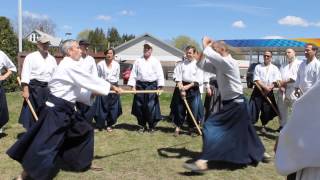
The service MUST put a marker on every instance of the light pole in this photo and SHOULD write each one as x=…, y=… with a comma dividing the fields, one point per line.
x=20, y=24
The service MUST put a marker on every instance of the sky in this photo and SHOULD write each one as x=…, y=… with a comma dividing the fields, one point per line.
x=167, y=19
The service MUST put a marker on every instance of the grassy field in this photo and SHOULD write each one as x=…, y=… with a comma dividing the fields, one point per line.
x=126, y=154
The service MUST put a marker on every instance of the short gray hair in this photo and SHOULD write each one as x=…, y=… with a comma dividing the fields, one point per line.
x=66, y=45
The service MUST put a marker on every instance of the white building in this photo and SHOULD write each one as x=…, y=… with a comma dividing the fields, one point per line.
x=34, y=35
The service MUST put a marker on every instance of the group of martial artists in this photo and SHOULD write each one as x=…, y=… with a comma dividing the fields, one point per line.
x=64, y=98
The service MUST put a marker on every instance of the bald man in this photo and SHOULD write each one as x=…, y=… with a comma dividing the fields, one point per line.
x=286, y=94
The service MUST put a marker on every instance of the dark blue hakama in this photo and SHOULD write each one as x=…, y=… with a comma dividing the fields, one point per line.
x=259, y=103
x=4, y=114
x=146, y=107
x=59, y=140
x=179, y=110
x=108, y=109
x=38, y=94
x=229, y=136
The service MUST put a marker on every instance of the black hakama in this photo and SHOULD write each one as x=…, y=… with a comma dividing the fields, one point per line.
x=179, y=110
x=146, y=107
x=108, y=109
x=38, y=94
x=87, y=112
x=4, y=114
x=259, y=103
x=229, y=136
x=212, y=104
x=59, y=140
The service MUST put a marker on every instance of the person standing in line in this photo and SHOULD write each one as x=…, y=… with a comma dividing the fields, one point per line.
x=309, y=70
x=146, y=74
x=88, y=63
x=6, y=69
x=286, y=96
x=188, y=78
x=267, y=76
x=37, y=70
x=108, y=108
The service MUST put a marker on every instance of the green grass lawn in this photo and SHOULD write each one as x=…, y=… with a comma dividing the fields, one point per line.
x=126, y=154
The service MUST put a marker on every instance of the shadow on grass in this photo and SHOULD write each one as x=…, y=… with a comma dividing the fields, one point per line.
x=115, y=154
x=271, y=133
x=2, y=135
x=214, y=165
x=178, y=153
x=128, y=127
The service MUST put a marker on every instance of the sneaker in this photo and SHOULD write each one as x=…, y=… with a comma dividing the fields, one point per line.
x=152, y=130
x=109, y=129
x=95, y=168
x=266, y=158
x=141, y=129
x=194, y=167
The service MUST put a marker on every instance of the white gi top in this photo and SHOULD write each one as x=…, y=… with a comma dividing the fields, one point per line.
x=266, y=74
x=36, y=67
x=298, y=147
x=147, y=71
x=110, y=75
x=308, y=74
x=227, y=73
x=6, y=63
x=72, y=83
x=89, y=64
x=188, y=71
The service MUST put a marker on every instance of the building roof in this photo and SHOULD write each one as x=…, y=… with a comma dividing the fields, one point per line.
x=133, y=49
x=54, y=41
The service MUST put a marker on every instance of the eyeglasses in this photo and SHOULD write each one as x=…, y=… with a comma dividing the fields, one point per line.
x=266, y=56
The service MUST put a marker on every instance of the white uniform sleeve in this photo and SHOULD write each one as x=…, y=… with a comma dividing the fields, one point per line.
x=297, y=83
x=133, y=75
x=94, y=67
x=85, y=97
x=256, y=73
x=8, y=64
x=213, y=57
x=87, y=81
x=26, y=70
x=159, y=72
x=178, y=72
x=118, y=72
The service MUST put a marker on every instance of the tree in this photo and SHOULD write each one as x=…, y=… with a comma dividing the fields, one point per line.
x=30, y=24
x=126, y=37
x=113, y=37
x=181, y=42
x=84, y=35
x=9, y=45
x=98, y=40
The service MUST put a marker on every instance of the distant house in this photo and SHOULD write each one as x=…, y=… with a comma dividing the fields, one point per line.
x=34, y=35
x=164, y=52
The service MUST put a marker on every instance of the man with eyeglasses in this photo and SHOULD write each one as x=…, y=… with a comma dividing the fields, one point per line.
x=308, y=72
x=267, y=76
